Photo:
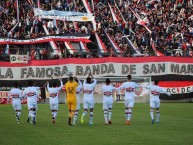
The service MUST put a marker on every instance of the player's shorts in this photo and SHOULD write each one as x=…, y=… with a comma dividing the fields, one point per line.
x=107, y=102
x=88, y=104
x=17, y=106
x=77, y=102
x=129, y=102
x=54, y=106
x=30, y=106
x=154, y=102
x=71, y=104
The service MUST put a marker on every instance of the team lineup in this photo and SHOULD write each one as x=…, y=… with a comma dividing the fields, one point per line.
x=73, y=89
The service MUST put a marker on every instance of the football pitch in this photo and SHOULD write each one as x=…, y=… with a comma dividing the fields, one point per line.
x=175, y=128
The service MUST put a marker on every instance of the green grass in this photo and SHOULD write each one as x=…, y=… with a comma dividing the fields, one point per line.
x=176, y=127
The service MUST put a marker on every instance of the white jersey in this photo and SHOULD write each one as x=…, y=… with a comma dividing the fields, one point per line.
x=78, y=90
x=129, y=89
x=155, y=91
x=16, y=95
x=32, y=94
x=107, y=96
x=108, y=90
x=88, y=90
x=54, y=93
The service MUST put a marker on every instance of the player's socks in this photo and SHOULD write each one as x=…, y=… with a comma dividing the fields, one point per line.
x=109, y=114
x=152, y=121
x=69, y=121
x=152, y=115
x=34, y=117
x=126, y=113
x=75, y=118
x=91, y=117
x=52, y=116
x=30, y=116
x=17, y=117
x=157, y=116
x=18, y=114
x=55, y=114
x=105, y=116
x=84, y=113
x=129, y=116
x=34, y=120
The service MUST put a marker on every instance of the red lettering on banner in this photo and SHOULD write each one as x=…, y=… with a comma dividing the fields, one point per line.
x=3, y=94
x=178, y=90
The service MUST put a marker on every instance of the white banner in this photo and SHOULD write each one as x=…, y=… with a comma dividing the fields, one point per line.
x=74, y=37
x=40, y=71
x=18, y=58
x=39, y=12
x=62, y=15
x=180, y=90
x=69, y=18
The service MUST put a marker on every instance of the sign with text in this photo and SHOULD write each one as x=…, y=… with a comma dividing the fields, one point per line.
x=43, y=70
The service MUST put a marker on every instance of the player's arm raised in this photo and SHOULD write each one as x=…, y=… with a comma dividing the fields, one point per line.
x=44, y=85
x=94, y=80
x=163, y=91
x=61, y=83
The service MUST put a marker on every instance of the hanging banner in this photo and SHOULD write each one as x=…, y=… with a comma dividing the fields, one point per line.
x=99, y=67
x=69, y=18
x=75, y=37
x=39, y=12
x=177, y=89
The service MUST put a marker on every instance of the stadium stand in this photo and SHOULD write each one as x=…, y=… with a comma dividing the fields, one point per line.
x=124, y=28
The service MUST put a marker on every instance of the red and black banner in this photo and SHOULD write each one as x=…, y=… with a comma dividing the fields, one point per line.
x=74, y=37
x=177, y=89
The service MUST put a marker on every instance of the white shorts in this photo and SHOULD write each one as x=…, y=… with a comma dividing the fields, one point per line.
x=129, y=102
x=54, y=106
x=30, y=106
x=107, y=102
x=77, y=102
x=88, y=104
x=17, y=106
x=154, y=102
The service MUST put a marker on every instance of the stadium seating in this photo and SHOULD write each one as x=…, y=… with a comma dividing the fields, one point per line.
x=124, y=28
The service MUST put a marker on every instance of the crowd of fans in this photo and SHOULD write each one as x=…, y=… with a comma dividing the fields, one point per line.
x=167, y=26
x=170, y=22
